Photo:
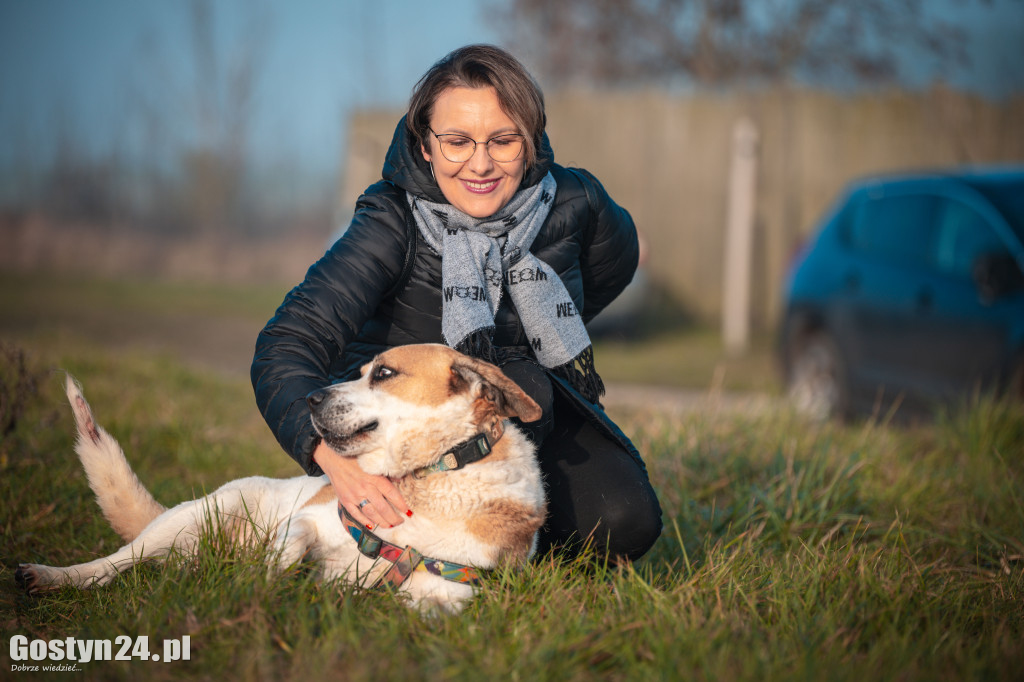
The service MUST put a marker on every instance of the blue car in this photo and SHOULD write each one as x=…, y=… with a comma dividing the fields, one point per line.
x=911, y=295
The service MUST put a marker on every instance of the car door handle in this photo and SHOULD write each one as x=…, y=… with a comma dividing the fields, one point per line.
x=852, y=282
x=925, y=298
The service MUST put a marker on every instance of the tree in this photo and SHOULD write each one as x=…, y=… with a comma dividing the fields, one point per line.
x=190, y=110
x=215, y=166
x=728, y=42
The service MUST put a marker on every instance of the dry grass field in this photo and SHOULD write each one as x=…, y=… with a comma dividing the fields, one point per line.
x=791, y=551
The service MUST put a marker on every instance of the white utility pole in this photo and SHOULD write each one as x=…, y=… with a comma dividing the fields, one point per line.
x=739, y=238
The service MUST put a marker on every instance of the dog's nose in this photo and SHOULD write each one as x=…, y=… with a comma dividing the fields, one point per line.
x=316, y=397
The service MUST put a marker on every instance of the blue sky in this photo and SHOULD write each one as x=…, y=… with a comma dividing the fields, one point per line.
x=88, y=60
x=80, y=65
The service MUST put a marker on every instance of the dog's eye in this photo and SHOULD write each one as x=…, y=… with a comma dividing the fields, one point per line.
x=382, y=373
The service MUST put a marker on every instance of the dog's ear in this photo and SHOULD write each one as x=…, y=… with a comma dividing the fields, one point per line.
x=509, y=400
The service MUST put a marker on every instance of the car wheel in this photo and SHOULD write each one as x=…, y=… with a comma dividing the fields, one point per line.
x=816, y=383
x=1015, y=389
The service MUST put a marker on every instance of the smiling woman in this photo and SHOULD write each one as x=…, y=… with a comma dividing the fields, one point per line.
x=468, y=174
x=477, y=239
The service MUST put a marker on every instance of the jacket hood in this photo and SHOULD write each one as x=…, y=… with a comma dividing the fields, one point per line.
x=405, y=167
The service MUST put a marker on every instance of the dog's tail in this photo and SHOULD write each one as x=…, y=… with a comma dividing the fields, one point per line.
x=126, y=503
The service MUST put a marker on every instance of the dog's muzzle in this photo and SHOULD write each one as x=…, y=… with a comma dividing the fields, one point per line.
x=316, y=398
x=332, y=419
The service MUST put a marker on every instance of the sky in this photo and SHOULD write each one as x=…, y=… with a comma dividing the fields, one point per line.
x=89, y=67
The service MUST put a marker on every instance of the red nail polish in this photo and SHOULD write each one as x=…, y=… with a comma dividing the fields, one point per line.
x=409, y=513
x=369, y=527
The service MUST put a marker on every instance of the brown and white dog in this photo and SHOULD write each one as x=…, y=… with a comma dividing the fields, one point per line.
x=412, y=406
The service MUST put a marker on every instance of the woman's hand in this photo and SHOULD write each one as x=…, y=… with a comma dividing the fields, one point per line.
x=385, y=506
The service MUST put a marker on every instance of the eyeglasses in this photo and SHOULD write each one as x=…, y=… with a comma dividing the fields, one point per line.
x=459, y=148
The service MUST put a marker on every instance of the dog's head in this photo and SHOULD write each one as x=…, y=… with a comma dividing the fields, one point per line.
x=413, y=403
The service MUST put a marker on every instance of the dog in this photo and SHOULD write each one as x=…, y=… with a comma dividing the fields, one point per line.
x=431, y=419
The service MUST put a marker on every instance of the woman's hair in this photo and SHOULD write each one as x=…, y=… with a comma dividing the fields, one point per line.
x=478, y=66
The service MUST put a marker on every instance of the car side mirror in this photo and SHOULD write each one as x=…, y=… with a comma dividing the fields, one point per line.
x=996, y=275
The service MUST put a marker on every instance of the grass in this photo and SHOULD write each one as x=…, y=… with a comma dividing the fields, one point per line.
x=790, y=551
x=689, y=357
x=212, y=323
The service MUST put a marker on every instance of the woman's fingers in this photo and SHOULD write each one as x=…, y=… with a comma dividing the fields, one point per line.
x=397, y=506
x=356, y=511
x=368, y=514
x=373, y=501
x=384, y=505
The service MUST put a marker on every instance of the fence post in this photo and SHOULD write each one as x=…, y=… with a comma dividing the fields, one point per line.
x=739, y=238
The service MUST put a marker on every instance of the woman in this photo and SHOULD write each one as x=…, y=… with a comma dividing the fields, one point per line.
x=477, y=239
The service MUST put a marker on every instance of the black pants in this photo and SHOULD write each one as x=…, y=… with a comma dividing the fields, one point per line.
x=596, y=489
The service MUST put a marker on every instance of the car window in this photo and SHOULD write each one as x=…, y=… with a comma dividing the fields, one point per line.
x=896, y=228
x=1008, y=198
x=962, y=235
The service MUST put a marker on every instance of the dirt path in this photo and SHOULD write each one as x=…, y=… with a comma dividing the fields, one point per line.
x=621, y=396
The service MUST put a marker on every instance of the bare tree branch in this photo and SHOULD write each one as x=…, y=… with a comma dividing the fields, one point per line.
x=727, y=42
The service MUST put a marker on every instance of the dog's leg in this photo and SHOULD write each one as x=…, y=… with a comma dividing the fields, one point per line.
x=333, y=549
x=125, y=502
x=292, y=541
x=177, y=528
x=355, y=570
x=432, y=595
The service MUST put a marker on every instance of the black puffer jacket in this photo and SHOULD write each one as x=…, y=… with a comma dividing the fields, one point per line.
x=379, y=286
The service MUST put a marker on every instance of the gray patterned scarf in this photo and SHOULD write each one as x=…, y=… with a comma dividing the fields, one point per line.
x=481, y=258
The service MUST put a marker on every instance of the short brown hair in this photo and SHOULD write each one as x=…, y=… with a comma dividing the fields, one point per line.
x=478, y=66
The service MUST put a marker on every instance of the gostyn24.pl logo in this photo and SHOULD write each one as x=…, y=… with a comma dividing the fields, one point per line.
x=67, y=653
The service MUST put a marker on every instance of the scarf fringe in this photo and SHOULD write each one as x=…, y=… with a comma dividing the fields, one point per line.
x=580, y=372
x=479, y=345
x=585, y=379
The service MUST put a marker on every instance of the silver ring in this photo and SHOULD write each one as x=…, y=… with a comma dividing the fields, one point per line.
x=363, y=503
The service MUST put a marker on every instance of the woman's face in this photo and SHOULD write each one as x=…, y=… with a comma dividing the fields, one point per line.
x=481, y=186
